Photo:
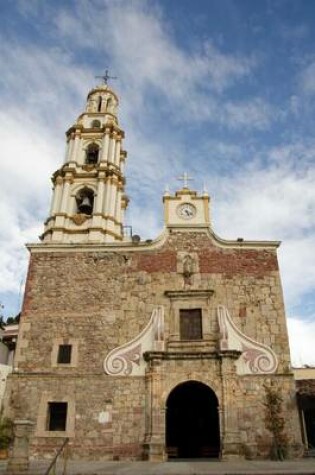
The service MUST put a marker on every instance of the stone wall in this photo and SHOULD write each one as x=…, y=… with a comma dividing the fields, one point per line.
x=102, y=298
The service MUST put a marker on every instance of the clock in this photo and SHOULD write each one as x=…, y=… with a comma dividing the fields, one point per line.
x=186, y=211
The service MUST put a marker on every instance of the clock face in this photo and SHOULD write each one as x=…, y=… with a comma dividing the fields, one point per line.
x=186, y=211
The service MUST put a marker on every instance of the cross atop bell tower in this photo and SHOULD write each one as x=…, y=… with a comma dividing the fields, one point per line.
x=106, y=77
x=88, y=200
x=185, y=178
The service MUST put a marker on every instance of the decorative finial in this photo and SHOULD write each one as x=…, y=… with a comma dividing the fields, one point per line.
x=106, y=77
x=185, y=178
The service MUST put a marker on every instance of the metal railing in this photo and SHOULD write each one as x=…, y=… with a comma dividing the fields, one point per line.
x=53, y=463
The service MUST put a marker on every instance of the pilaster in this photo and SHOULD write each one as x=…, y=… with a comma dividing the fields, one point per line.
x=230, y=434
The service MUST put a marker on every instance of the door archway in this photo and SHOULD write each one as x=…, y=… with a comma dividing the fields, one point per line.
x=192, y=422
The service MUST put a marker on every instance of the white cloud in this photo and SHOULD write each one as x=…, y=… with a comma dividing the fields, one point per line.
x=302, y=337
x=146, y=57
x=28, y=159
x=297, y=265
x=278, y=203
x=307, y=79
x=255, y=113
x=165, y=89
x=225, y=69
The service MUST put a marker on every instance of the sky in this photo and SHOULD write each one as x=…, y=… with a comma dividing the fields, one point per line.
x=221, y=89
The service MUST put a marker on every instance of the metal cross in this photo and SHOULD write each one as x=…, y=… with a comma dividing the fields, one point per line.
x=185, y=178
x=106, y=77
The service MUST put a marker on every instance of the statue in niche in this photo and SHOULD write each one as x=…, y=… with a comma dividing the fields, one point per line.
x=188, y=268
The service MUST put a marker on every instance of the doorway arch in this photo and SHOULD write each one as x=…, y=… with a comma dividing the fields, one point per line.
x=192, y=422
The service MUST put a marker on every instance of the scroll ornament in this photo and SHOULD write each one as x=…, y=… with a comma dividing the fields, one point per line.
x=127, y=360
x=256, y=358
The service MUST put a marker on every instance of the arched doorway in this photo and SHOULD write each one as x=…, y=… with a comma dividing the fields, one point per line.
x=192, y=422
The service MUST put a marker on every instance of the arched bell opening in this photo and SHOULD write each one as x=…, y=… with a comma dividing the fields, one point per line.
x=192, y=422
x=92, y=153
x=85, y=201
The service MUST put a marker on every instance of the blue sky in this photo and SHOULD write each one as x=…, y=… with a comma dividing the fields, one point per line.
x=222, y=89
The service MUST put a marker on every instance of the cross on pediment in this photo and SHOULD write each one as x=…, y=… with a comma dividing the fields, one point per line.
x=185, y=178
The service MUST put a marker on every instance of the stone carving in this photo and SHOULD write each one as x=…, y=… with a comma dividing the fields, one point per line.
x=187, y=264
x=256, y=358
x=79, y=218
x=127, y=360
x=88, y=167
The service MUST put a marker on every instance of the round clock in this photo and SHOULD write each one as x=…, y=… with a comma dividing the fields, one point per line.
x=186, y=211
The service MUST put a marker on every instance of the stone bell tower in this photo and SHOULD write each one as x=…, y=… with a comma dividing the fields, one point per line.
x=88, y=200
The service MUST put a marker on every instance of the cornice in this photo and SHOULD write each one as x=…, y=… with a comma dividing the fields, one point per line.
x=183, y=294
x=148, y=245
x=190, y=355
x=142, y=246
x=90, y=171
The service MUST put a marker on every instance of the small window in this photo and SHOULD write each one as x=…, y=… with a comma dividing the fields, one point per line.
x=191, y=324
x=96, y=124
x=92, y=154
x=64, y=354
x=57, y=416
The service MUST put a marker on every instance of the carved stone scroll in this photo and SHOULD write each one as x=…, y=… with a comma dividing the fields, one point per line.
x=127, y=360
x=256, y=358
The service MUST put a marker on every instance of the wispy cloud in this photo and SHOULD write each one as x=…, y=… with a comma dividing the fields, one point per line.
x=306, y=79
x=197, y=106
x=302, y=337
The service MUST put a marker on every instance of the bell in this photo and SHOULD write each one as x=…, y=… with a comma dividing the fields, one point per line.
x=85, y=206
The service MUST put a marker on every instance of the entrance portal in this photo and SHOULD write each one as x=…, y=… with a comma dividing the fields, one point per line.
x=192, y=422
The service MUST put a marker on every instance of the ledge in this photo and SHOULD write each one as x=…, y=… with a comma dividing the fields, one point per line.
x=190, y=355
x=182, y=294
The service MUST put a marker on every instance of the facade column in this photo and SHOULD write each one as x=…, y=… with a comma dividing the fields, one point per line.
x=108, y=196
x=230, y=443
x=65, y=195
x=100, y=196
x=117, y=151
x=57, y=196
x=154, y=441
x=19, y=459
x=75, y=148
x=113, y=200
x=112, y=149
x=105, y=147
x=118, y=206
x=70, y=149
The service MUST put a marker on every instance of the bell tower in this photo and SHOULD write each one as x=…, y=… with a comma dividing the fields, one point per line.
x=88, y=200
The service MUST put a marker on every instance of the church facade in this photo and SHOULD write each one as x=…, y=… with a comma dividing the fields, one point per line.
x=146, y=349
